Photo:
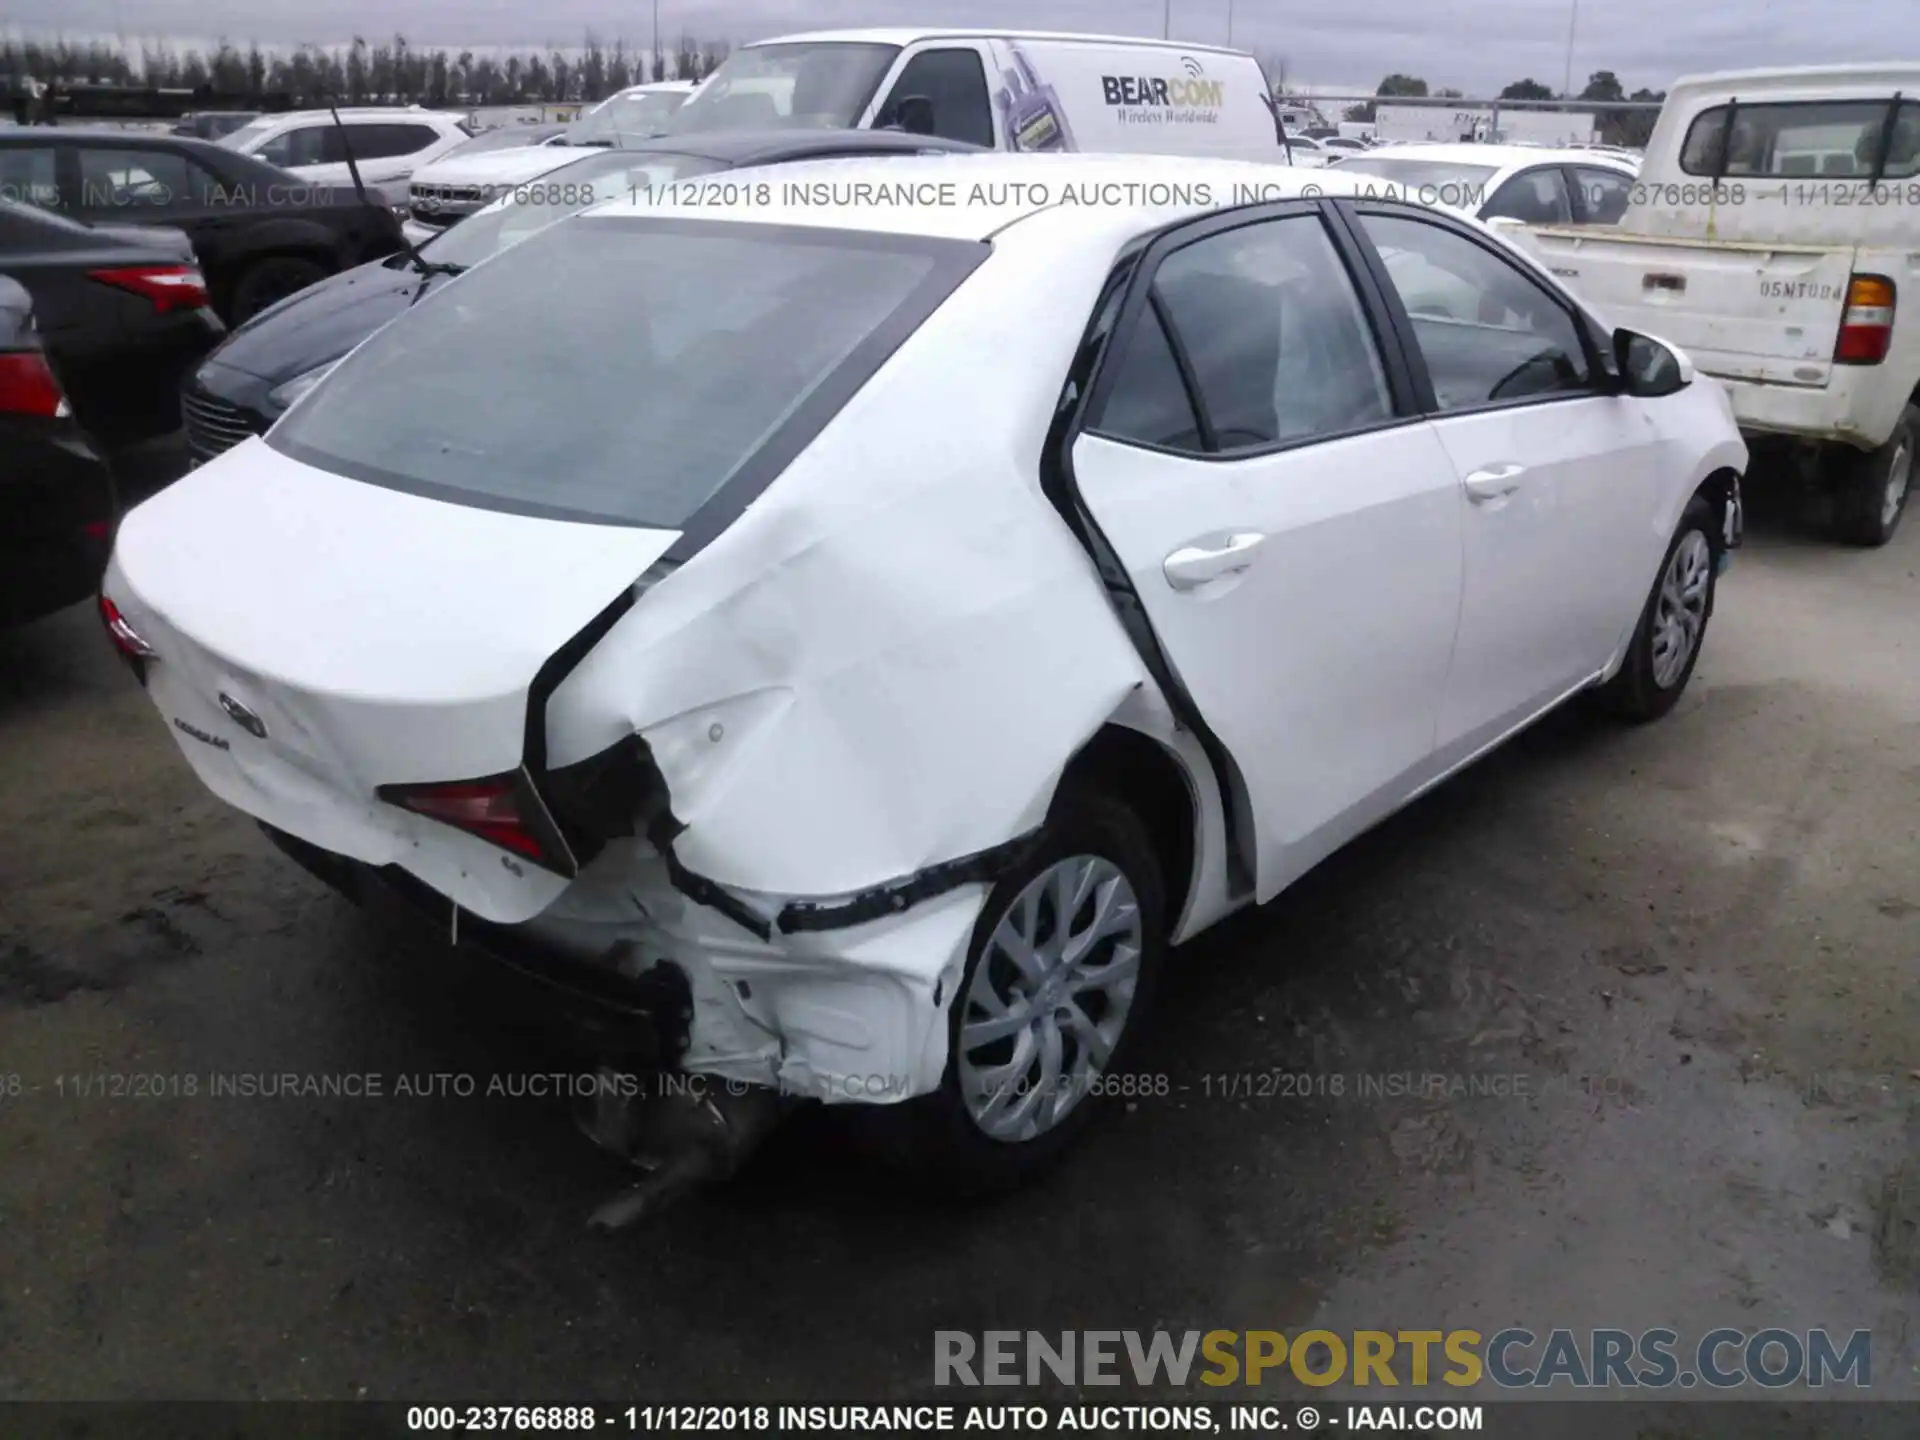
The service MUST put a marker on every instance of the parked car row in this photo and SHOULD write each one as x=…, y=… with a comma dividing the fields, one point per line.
x=56, y=492
x=472, y=176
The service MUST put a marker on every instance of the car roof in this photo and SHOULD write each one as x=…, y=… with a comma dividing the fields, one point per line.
x=98, y=134
x=351, y=113
x=740, y=147
x=902, y=35
x=1498, y=157
x=991, y=191
x=1888, y=74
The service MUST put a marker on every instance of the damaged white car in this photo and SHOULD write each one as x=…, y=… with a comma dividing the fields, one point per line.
x=854, y=640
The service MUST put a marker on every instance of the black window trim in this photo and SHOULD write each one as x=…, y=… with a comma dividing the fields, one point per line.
x=1403, y=396
x=1403, y=322
x=954, y=260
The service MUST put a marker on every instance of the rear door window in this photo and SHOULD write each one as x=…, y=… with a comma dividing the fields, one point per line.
x=1533, y=197
x=383, y=142
x=302, y=145
x=1603, y=195
x=139, y=182
x=27, y=176
x=624, y=369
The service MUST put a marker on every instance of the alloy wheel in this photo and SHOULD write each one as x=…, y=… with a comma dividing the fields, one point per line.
x=1049, y=998
x=1680, y=614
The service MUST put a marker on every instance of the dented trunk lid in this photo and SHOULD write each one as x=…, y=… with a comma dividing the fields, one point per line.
x=319, y=637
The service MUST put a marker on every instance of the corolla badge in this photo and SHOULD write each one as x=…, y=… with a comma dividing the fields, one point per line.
x=243, y=717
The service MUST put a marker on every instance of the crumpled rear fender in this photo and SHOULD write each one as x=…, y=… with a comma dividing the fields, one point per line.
x=884, y=663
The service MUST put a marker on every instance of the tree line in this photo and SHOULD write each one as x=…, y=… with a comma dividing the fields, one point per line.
x=388, y=72
x=1618, y=127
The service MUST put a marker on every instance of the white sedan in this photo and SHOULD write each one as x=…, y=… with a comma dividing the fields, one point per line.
x=1531, y=184
x=864, y=621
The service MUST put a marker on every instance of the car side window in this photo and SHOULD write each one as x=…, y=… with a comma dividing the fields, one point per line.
x=1533, y=197
x=1603, y=195
x=1274, y=333
x=956, y=85
x=140, y=180
x=383, y=142
x=1488, y=332
x=302, y=145
x=1148, y=401
x=28, y=175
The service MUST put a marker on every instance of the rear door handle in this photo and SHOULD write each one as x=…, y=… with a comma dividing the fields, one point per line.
x=1193, y=565
x=1493, y=482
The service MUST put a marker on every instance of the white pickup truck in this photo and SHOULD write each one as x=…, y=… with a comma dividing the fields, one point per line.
x=1771, y=235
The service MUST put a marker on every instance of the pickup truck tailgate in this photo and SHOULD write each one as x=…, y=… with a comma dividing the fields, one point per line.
x=1743, y=310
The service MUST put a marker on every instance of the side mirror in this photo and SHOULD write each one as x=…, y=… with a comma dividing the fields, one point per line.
x=913, y=114
x=1649, y=368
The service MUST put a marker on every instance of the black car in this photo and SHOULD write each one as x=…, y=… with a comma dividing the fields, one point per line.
x=56, y=494
x=260, y=233
x=271, y=360
x=122, y=311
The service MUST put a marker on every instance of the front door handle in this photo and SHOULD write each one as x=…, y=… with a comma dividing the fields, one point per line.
x=1194, y=565
x=1493, y=482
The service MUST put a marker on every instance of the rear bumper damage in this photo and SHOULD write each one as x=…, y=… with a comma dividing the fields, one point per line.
x=842, y=1002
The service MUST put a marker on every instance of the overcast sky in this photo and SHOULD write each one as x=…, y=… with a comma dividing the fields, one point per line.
x=1476, y=45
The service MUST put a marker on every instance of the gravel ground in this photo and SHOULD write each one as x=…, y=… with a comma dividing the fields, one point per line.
x=1689, y=947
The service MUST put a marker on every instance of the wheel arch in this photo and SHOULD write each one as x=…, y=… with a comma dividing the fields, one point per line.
x=1147, y=776
x=1721, y=490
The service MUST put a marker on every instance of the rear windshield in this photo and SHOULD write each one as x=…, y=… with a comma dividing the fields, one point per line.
x=524, y=209
x=1841, y=139
x=624, y=369
x=626, y=118
x=809, y=85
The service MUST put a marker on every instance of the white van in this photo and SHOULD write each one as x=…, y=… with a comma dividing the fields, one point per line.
x=1011, y=90
x=1771, y=234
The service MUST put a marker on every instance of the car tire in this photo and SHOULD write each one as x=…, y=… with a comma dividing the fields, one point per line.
x=955, y=1138
x=1655, y=672
x=1872, y=496
x=269, y=281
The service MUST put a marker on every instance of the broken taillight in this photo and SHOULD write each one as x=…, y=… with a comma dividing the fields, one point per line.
x=166, y=287
x=1866, y=326
x=28, y=387
x=500, y=809
x=126, y=640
